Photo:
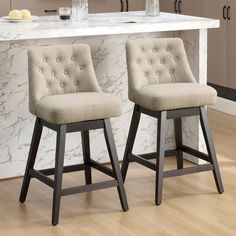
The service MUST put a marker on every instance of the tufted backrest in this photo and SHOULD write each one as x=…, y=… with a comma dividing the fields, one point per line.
x=155, y=61
x=60, y=69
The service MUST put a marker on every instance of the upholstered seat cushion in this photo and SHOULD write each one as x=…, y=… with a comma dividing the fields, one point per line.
x=170, y=96
x=77, y=107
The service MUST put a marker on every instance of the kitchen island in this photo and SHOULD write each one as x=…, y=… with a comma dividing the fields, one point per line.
x=106, y=34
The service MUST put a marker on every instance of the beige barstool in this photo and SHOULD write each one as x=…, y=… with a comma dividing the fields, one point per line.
x=162, y=85
x=65, y=97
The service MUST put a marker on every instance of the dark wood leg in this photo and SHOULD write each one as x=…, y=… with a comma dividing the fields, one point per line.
x=161, y=155
x=31, y=159
x=115, y=163
x=86, y=155
x=60, y=151
x=130, y=140
x=179, y=141
x=210, y=148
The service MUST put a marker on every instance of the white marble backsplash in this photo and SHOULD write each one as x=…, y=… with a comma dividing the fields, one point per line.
x=108, y=52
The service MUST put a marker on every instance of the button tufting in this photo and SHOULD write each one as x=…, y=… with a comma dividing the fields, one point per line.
x=53, y=73
x=40, y=70
x=82, y=67
x=162, y=61
x=171, y=71
x=154, y=50
x=72, y=58
x=48, y=84
x=44, y=59
x=58, y=59
x=167, y=49
x=76, y=83
x=176, y=58
x=158, y=73
x=150, y=62
x=66, y=72
x=62, y=85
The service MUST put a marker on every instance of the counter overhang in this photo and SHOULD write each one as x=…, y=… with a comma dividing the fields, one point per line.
x=102, y=24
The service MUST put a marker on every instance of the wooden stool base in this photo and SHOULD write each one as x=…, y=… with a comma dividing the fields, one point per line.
x=162, y=117
x=59, y=169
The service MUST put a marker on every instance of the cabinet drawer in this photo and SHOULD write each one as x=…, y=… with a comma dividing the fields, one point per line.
x=50, y=7
x=41, y=7
x=96, y=6
x=168, y=6
x=5, y=7
x=135, y=5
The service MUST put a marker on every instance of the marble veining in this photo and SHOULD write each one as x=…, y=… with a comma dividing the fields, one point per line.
x=102, y=24
x=108, y=53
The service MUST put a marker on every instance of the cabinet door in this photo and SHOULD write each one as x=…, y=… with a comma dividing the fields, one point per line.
x=40, y=7
x=191, y=7
x=135, y=5
x=186, y=7
x=104, y=6
x=5, y=7
x=167, y=6
x=217, y=42
x=231, y=44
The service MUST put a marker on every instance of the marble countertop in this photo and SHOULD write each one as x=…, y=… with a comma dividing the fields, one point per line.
x=102, y=24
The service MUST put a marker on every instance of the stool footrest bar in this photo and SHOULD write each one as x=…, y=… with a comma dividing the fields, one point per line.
x=195, y=153
x=66, y=169
x=153, y=155
x=89, y=188
x=188, y=170
x=142, y=161
x=43, y=178
x=102, y=168
x=171, y=173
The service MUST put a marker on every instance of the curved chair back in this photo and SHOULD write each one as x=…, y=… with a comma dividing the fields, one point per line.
x=154, y=61
x=60, y=69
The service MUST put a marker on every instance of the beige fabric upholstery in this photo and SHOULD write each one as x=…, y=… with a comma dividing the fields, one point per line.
x=63, y=87
x=76, y=107
x=175, y=95
x=160, y=77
